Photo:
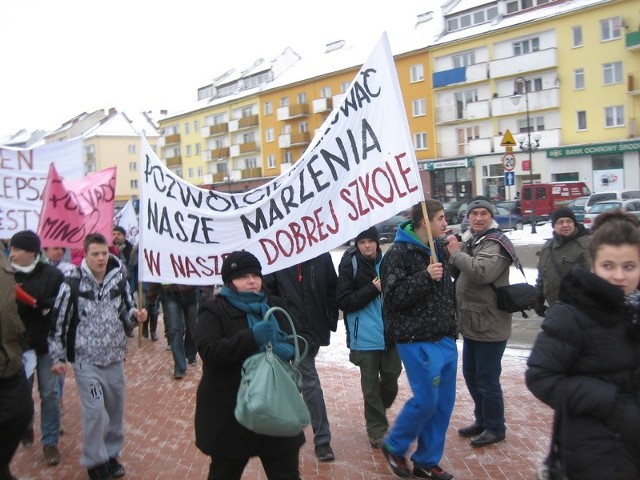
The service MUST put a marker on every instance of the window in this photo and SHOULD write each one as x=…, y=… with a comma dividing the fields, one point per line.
x=268, y=108
x=251, y=163
x=612, y=72
x=302, y=98
x=199, y=171
x=284, y=101
x=269, y=134
x=578, y=78
x=287, y=157
x=532, y=85
x=303, y=127
x=187, y=128
x=190, y=172
x=614, y=116
x=576, y=35
x=133, y=184
x=133, y=166
x=132, y=149
x=189, y=151
x=196, y=125
x=581, y=117
x=526, y=46
x=344, y=86
x=419, y=107
x=464, y=59
x=466, y=19
x=536, y=124
x=420, y=140
x=248, y=137
x=198, y=149
x=417, y=73
x=514, y=6
x=325, y=92
x=610, y=28
x=462, y=99
x=271, y=161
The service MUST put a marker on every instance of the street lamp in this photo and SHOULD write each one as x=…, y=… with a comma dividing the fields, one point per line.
x=527, y=144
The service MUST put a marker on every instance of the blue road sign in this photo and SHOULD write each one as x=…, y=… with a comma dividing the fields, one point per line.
x=509, y=179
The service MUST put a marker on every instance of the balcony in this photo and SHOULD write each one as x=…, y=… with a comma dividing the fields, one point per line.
x=632, y=41
x=457, y=113
x=293, y=111
x=538, y=100
x=174, y=161
x=521, y=64
x=321, y=105
x=243, y=149
x=243, y=123
x=289, y=140
x=255, y=172
x=172, y=139
x=470, y=73
x=216, y=153
x=215, y=130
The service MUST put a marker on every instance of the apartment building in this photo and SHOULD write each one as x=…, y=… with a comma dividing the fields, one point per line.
x=559, y=78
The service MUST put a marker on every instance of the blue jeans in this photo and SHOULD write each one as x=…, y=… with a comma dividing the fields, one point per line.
x=481, y=367
x=314, y=398
x=49, y=400
x=180, y=313
x=431, y=370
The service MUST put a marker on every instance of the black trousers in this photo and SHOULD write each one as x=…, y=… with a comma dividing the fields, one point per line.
x=16, y=411
x=282, y=467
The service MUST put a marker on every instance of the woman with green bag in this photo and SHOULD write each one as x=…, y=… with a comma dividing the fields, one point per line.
x=228, y=331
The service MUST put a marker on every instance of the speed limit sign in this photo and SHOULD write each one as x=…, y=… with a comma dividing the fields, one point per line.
x=508, y=162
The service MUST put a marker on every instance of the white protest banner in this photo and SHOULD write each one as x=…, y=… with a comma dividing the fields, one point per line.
x=128, y=219
x=23, y=174
x=360, y=170
x=72, y=209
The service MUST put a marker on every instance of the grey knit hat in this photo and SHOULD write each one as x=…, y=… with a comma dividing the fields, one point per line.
x=480, y=202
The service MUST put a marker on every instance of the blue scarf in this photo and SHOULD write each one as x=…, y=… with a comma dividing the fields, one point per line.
x=254, y=304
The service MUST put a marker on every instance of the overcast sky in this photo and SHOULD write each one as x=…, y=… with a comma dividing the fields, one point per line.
x=63, y=57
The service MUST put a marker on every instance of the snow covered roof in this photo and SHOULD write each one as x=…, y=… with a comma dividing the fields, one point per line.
x=123, y=125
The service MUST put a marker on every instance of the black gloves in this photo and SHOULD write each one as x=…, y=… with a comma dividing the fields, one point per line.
x=540, y=308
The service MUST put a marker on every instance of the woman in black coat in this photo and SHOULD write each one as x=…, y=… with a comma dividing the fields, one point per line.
x=225, y=340
x=586, y=361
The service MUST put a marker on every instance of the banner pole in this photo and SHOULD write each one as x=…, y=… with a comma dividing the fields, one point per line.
x=427, y=222
x=140, y=307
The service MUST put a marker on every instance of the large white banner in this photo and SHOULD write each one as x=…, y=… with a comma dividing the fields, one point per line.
x=359, y=170
x=23, y=175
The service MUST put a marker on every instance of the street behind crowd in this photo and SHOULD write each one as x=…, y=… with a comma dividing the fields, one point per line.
x=159, y=432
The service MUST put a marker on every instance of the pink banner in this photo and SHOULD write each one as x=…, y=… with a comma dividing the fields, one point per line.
x=71, y=209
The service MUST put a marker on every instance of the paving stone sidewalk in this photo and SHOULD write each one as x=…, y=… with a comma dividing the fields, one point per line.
x=159, y=435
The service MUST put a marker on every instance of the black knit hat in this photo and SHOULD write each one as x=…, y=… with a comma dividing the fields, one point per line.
x=563, y=212
x=480, y=202
x=26, y=240
x=239, y=263
x=371, y=233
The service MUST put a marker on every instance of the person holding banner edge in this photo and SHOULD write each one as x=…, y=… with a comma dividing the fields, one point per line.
x=419, y=313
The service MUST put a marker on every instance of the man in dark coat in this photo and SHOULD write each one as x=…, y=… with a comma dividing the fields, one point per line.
x=309, y=291
x=41, y=281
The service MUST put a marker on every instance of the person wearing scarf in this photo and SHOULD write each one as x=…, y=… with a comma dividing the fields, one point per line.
x=228, y=331
x=585, y=363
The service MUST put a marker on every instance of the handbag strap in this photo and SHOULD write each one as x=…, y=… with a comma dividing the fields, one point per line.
x=298, y=357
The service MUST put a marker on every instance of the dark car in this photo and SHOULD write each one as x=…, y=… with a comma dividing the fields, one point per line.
x=512, y=205
x=451, y=210
x=504, y=219
x=387, y=229
x=577, y=207
x=462, y=212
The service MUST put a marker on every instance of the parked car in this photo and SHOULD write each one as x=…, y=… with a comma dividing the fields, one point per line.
x=512, y=205
x=577, y=207
x=462, y=212
x=610, y=195
x=451, y=210
x=387, y=229
x=631, y=206
x=504, y=219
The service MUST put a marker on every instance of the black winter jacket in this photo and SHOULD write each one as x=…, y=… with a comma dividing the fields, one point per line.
x=309, y=292
x=585, y=364
x=224, y=341
x=43, y=283
x=415, y=308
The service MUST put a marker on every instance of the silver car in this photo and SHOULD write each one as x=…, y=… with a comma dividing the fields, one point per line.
x=631, y=206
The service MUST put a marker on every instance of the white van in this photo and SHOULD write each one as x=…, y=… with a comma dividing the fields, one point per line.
x=611, y=195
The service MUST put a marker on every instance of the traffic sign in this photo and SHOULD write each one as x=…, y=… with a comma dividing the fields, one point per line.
x=509, y=162
x=509, y=179
x=508, y=140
